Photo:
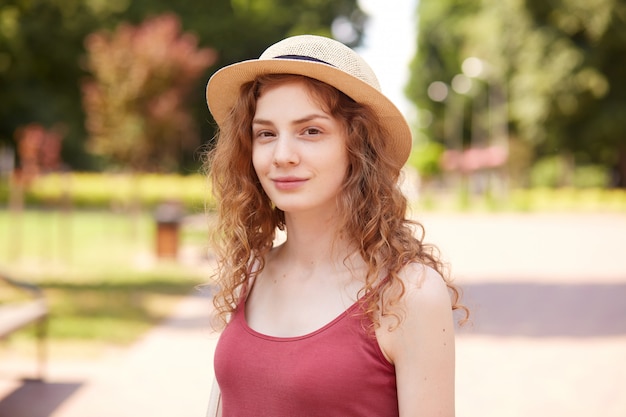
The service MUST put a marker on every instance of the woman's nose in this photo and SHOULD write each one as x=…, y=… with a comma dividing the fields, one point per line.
x=285, y=152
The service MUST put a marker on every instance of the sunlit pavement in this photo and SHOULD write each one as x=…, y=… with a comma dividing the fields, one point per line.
x=548, y=336
x=548, y=296
x=167, y=373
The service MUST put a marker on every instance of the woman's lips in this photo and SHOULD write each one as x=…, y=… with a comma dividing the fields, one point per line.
x=288, y=183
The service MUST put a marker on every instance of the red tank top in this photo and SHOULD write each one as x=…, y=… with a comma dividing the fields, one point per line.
x=338, y=370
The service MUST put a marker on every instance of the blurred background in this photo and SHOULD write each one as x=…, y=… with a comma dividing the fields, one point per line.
x=518, y=172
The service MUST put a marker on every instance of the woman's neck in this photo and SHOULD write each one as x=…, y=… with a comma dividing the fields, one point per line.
x=315, y=241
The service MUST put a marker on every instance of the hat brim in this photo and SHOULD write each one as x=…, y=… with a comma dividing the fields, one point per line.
x=224, y=87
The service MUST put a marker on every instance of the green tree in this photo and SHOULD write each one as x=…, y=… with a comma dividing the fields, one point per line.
x=41, y=42
x=560, y=63
x=42, y=51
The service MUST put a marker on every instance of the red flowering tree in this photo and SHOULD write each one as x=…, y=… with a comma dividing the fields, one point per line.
x=135, y=104
x=38, y=150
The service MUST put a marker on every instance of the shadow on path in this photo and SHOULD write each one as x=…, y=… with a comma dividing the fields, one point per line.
x=36, y=398
x=545, y=310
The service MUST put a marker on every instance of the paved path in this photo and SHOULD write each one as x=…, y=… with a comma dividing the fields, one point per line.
x=548, y=338
x=548, y=297
x=546, y=248
x=168, y=373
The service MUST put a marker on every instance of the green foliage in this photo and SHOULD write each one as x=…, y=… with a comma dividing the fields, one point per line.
x=40, y=47
x=42, y=53
x=590, y=176
x=568, y=200
x=116, y=191
x=555, y=172
x=426, y=159
x=442, y=28
x=550, y=172
x=558, y=65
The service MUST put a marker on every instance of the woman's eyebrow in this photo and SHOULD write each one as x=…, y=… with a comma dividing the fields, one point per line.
x=261, y=122
x=311, y=117
x=304, y=119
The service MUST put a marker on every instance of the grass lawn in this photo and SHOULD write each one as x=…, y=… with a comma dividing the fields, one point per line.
x=98, y=271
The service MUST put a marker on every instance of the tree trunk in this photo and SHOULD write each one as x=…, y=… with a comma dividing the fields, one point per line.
x=619, y=174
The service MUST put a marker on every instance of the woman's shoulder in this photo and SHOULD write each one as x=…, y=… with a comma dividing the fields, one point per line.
x=422, y=281
x=422, y=312
x=426, y=296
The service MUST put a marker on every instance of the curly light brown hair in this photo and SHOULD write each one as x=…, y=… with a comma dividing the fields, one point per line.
x=371, y=205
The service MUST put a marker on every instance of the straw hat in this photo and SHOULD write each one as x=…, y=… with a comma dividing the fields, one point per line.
x=325, y=60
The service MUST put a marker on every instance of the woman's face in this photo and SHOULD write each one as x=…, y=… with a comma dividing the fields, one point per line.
x=298, y=150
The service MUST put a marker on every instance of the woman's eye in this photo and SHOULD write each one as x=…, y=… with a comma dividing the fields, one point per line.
x=262, y=134
x=312, y=131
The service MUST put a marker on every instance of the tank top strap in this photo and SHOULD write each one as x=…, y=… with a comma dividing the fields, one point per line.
x=248, y=285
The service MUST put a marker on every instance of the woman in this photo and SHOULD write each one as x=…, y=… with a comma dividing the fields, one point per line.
x=350, y=315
